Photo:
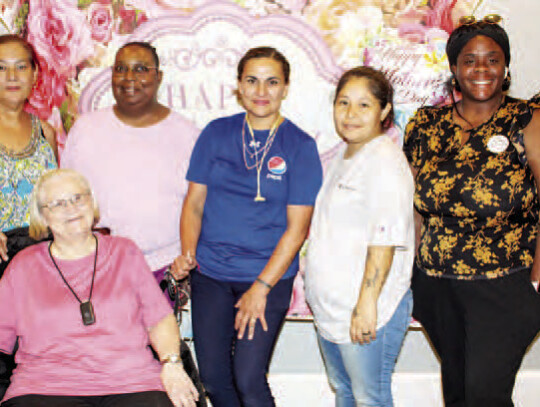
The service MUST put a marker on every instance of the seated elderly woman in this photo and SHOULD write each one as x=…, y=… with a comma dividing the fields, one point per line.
x=90, y=308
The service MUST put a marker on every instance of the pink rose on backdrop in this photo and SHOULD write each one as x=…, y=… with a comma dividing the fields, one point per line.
x=440, y=16
x=414, y=32
x=50, y=91
x=141, y=18
x=100, y=18
x=129, y=19
x=55, y=120
x=60, y=33
x=158, y=8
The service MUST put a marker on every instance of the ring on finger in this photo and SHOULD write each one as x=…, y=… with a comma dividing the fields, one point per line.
x=366, y=333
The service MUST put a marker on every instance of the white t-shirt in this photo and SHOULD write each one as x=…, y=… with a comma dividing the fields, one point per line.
x=366, y=200
x=138, y=176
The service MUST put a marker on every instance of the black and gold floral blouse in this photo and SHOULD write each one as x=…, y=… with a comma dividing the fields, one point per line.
x=478, y=200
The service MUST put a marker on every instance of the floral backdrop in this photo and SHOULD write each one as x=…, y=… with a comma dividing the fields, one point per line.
x=405, y=38
x=71, y=35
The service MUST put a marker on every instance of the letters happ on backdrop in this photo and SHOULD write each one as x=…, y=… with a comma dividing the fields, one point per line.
x=199, y=54
x=200, y=41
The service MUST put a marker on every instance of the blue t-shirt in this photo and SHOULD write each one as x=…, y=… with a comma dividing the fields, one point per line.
x=238, y=235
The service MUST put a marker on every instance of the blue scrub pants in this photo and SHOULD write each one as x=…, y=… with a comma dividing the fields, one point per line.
x=234, y=371
x=361, y=375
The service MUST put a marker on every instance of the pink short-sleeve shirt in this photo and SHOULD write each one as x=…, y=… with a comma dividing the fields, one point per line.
x=138, y=177
x=57, y=354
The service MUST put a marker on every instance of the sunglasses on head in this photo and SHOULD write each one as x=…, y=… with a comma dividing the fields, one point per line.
x=490, y=19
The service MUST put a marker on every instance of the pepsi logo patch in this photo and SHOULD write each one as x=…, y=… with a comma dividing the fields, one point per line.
x=277, y=165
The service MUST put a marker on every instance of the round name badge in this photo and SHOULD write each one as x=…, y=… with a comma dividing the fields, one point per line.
x=497, y=144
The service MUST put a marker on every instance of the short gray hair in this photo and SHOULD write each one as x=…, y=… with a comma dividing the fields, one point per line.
x=38, y=227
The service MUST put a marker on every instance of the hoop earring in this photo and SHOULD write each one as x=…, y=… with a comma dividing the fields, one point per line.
x=455, y=84
x=507, y=81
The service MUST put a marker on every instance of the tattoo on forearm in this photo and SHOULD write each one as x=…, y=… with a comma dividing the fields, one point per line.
x=370, y=281
x=377, y=267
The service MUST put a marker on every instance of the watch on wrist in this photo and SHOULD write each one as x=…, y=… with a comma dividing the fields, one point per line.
x=172, y=358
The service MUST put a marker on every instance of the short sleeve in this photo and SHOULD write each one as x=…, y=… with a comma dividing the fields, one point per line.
x=201, y=157
x=390, y=205
x=154, y=306
x=8, y=314
x=534, y=102
x=413, y=145
x=305, y=174
x=521, y=117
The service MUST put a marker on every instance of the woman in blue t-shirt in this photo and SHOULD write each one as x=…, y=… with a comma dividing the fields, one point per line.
x=253, y=179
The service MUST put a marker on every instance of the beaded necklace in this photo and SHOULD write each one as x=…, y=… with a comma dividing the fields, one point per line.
x=30, y=148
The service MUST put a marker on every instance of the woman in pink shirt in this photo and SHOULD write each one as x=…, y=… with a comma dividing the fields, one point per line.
x=135, y=155
x=89, y=311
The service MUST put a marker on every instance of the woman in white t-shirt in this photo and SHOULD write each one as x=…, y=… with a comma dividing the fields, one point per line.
x=361, y=247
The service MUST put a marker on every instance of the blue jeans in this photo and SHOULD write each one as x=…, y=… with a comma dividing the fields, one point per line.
x=234, y=370
x=361, y=375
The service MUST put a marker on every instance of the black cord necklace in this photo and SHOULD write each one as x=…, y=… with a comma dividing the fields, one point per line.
x=87, y=310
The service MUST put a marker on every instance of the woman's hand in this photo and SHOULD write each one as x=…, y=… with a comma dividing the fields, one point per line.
x=178, y=385
x=165, y=339
x=364, y=321
x=3, y=247
x=251, y=306
x=182, y=265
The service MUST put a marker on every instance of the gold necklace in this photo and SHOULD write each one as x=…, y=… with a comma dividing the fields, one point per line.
x=266, y=148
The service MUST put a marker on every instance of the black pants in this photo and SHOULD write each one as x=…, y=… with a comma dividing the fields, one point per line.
x=140, y=399
x=481, y=330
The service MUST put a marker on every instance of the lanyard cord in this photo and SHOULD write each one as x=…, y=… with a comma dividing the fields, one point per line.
x=64, y=279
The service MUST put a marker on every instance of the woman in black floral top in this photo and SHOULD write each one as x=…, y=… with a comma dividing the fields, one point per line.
x=476, y=164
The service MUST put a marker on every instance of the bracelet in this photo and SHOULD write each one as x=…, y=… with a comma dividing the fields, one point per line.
x=172, y=358
x=269, y=286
